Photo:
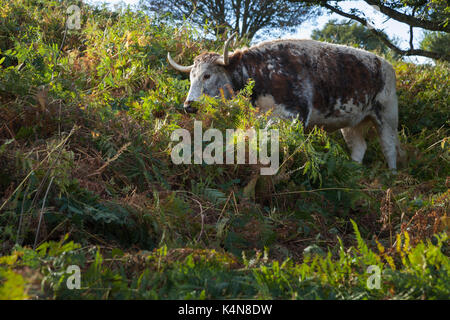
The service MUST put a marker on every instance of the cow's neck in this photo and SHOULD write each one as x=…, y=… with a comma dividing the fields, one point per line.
x=239, y=76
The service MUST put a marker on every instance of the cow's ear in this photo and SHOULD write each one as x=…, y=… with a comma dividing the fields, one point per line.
x=234, y=59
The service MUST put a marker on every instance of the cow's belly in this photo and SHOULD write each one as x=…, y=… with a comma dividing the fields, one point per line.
x=338, y=117
x=266, y=103
x=341, y=116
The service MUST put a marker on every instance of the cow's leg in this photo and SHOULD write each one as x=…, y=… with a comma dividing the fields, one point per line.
x=389, y=143
x=354, y=137
x=385, y=117
x=386, y=123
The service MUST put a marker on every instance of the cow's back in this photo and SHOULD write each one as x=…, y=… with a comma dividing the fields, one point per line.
x=320, y=82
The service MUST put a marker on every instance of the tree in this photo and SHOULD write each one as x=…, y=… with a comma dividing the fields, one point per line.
x=436, y=41
x=350, y=33
x=247, y=17
x=431, y=15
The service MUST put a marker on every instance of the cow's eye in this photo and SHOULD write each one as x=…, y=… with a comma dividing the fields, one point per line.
x=206, y=76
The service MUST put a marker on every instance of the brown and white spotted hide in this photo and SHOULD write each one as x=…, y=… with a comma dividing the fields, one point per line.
x=326, y=85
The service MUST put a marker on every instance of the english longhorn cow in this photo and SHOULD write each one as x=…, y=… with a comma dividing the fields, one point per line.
x=323, y=84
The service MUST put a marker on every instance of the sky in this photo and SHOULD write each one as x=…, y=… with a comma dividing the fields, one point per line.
x=393, y=29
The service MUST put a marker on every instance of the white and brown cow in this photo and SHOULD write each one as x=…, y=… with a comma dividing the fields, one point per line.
x=331, y=86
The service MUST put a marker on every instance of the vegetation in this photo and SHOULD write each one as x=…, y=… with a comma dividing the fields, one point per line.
x=86, y=178
x=249, y=18
x=437, y=42
x=354, y=34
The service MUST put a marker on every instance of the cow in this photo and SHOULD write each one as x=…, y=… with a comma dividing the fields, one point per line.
x=321, y=84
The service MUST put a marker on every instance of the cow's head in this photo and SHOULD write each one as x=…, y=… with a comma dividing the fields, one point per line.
x=207, y=75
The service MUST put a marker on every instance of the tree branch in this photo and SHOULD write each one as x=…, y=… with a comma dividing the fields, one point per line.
x=408, y=19
x=385, y=39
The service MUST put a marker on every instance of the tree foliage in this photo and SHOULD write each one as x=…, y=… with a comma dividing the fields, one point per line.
x=247, y=17
x=437, y=42
x=350, y=33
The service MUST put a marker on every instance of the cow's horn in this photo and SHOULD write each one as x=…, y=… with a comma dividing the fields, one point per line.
x=177, y=66
x=225, y=60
